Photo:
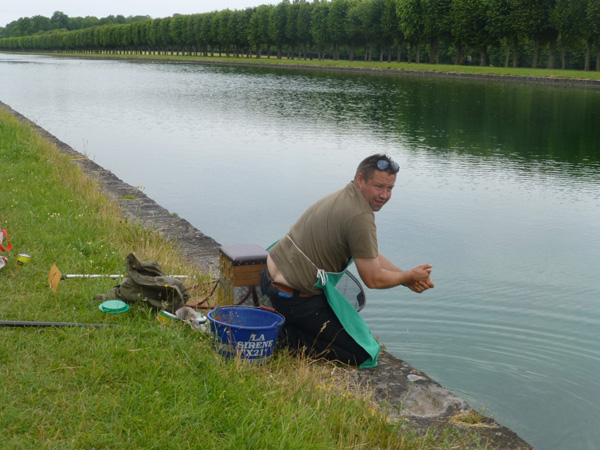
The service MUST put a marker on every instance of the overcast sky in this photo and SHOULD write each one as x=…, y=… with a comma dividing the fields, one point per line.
x=15, y=9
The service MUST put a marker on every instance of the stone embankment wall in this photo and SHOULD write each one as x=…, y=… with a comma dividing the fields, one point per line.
x=405, y=392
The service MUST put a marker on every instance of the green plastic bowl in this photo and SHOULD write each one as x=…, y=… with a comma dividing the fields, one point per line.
x=114, y=307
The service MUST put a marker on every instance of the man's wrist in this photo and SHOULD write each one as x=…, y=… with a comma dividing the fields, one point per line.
x=406, y=277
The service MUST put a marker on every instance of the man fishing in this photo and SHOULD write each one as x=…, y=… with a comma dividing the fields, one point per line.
x=303, y=267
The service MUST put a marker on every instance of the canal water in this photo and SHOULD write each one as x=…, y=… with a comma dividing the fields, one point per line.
x=499, y=189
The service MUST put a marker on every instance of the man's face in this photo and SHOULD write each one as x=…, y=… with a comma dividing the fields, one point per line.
x=377, y=190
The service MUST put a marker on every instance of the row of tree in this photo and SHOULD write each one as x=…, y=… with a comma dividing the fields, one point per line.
x=439, y=30
x=27, y=26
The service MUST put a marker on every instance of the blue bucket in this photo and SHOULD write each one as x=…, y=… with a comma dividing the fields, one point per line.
x=245, y=332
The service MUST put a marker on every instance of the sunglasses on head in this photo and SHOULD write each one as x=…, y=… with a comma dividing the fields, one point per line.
x=383, y=164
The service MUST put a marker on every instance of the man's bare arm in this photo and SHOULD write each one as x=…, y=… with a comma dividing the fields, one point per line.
x=379, y=273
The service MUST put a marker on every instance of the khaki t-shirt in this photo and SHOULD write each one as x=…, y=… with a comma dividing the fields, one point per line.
x=337, y=228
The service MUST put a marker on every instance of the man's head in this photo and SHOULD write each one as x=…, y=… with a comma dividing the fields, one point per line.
x=375, y=178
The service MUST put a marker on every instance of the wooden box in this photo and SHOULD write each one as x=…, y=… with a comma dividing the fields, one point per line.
x=240, y=267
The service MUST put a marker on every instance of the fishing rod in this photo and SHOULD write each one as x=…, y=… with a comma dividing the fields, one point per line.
x=99, y=275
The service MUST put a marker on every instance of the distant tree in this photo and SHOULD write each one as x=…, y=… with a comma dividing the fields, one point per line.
x=153, y=34
x=23, y=28
x=291, y=29
x=354, y=30
x=320, y=28
x=225, y=31
x=91, y=21
x=238, y=22
x=532, y=19
x=363, y=26
x=206, y=34
x=105, y=37
x=131, y=19
x=59, y=21
x=567, y=17
x=258, y=29
x=165, y=36
x=436, y=25
x=592, y=32
x=40, y=23
x=196, y=25
x=96, y=38
x=188, y=37
x=412, y=24
x=469, y=27
x=124, y=37
x=303, y=25
x=138, y=31
x=177, y=31
x=336, y=24
x=373, y=11
x=277, y=26
x=502, y=27
x=158, y=34
x=390, y=29
x=113, y=20
x=213, y=34
x=76, y=23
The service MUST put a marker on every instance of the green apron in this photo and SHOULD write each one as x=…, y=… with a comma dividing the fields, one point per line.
x=352, y=321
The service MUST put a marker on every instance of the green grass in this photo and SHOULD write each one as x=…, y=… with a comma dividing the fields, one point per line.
x=142, y=384
x=373, y=65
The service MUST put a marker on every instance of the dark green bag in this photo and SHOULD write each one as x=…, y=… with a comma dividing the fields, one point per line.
x=145, y=281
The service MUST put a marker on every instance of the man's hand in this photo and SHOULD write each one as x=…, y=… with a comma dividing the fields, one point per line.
x=420, y=286
x=420, y=273
x=421, y=276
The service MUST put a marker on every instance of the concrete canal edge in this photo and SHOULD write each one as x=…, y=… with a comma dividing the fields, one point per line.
x=405, y=392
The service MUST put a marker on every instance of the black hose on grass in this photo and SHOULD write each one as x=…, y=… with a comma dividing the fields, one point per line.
x=24, y=323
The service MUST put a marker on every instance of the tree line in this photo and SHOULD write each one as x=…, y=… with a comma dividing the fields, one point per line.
x=27, y=26
x=499, y=32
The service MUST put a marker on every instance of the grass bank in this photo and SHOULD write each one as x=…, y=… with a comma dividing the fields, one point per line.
x=143, y=384
x=573, y=76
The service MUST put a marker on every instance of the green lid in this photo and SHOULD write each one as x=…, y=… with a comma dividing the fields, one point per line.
x=114, y=307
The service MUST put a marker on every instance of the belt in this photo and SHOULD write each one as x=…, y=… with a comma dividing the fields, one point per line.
x=289, y=291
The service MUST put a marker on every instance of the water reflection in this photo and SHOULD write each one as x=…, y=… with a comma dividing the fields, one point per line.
x=525, y=123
